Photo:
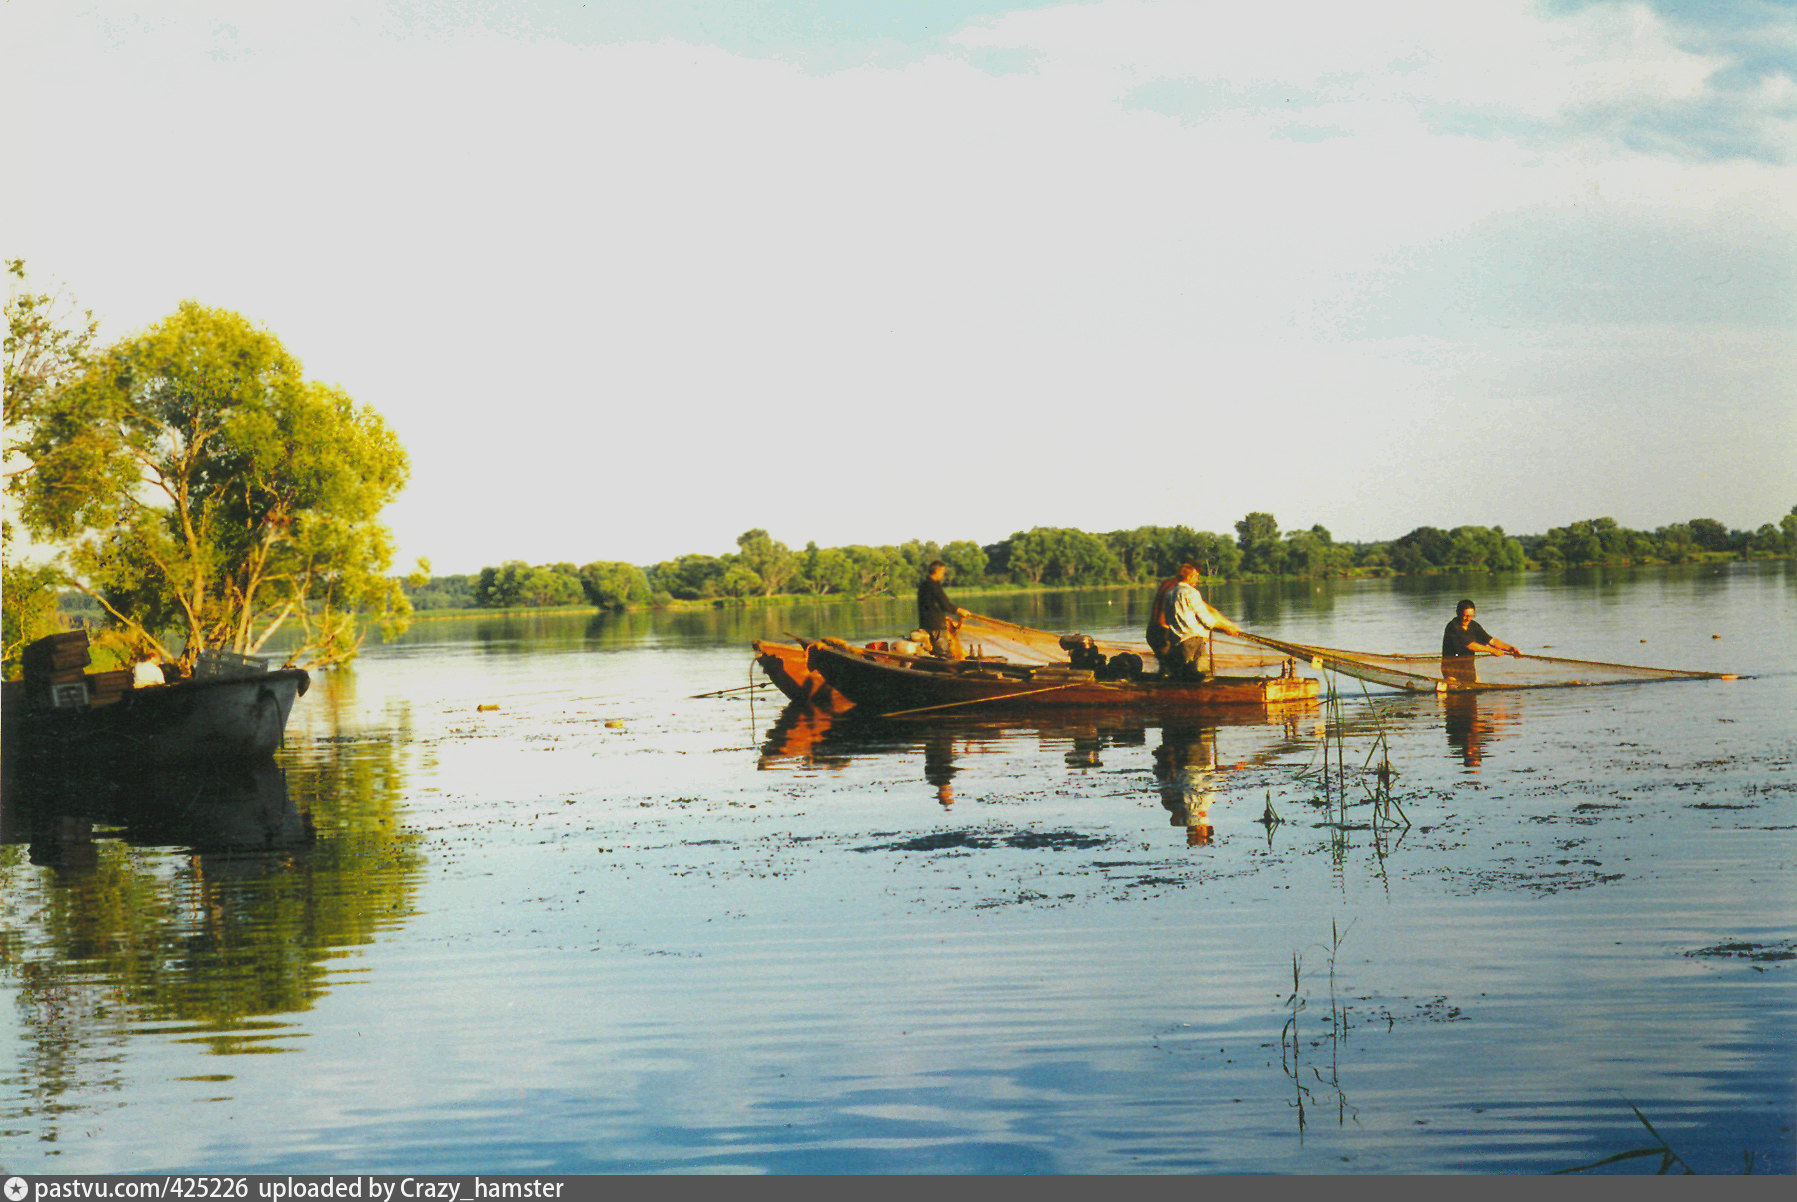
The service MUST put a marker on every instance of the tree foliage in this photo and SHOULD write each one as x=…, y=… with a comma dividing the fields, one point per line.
x=1051, y=556
x=516, y=584
x=615, y=586
x=47, y=341
x=199, y=485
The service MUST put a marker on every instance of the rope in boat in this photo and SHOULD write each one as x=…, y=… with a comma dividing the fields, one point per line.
x=922, y=709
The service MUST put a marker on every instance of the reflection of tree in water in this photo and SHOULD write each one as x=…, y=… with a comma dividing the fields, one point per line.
x=265, y=876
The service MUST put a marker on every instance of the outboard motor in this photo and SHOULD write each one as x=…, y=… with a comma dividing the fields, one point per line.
x=1083, y=652
x=1125, y=665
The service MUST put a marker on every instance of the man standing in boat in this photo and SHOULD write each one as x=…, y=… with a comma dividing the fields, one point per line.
x=939, y=617
x=1188, y=622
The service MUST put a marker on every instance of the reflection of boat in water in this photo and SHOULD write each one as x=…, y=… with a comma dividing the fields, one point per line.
x=897, y=683
x=237, y=807
x=1184, y=763
x=73, y=718
x=798, y=738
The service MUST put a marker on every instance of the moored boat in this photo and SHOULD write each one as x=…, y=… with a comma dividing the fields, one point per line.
x=896, y=683
x=236, y=709
x=785, y=665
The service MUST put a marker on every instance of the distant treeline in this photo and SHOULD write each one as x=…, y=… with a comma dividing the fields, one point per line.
x=1065, y=557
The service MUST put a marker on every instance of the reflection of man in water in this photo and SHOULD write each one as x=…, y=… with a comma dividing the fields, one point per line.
x=1460, y=714
x=1185, y=765
x=1467, y=726
x=939, y=764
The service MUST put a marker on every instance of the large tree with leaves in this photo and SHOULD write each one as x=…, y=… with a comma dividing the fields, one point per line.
x=201, y=486
x=47, y=342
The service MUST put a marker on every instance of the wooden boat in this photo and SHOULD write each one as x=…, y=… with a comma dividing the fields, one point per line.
x=785, y=665
x=76, y=720
x=894, y=683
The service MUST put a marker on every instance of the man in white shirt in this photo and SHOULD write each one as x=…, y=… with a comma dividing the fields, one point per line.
x=1189, y=622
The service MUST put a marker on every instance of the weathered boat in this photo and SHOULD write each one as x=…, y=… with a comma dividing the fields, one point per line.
x=785, y=665
x=895, y=683
x=233, y=709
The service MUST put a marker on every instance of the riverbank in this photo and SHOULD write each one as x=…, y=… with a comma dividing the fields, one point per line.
x=961, y=593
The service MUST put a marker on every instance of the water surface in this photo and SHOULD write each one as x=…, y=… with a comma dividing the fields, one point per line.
x=513, y=900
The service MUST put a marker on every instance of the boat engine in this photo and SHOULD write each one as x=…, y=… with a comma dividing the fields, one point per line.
x=1125, y=665
x=1082, y=652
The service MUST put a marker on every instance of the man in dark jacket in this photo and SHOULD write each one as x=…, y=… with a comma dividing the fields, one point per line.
x=1465, y=638
x=937, y=615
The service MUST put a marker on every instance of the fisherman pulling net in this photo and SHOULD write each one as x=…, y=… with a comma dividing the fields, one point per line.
x=1250, y=654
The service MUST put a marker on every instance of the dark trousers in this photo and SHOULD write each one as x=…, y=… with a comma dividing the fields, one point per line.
x=1187, y=660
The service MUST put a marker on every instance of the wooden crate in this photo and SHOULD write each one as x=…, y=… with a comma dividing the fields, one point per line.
x=104, y=688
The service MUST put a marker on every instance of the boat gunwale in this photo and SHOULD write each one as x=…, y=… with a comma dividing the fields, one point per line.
x=1215, y=692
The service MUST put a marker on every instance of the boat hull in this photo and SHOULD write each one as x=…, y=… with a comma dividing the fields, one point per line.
x=893, y=683
x=193, y=722
x=785, y=664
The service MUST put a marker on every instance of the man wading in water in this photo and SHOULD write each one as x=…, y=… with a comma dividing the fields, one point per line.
x=1464, y=640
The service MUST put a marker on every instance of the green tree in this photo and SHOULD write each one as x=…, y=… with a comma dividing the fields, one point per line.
x=966, y=562
x=1304, y=554
x=47, y=342
x=1709, y=534
x=441, y=592
x=740, y=580
x=1424, y=548
x=690, y=577
x=27, y=610
x=199, y=484
x=827, y=570
x=1676, y=545
x=517, y=585
x=771, y=561
x=1258, y=537
x=876, y=571
x=615, y=586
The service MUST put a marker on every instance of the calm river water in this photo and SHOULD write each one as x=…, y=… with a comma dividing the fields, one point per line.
x=611, y=927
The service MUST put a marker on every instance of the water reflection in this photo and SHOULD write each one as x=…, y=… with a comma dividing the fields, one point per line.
x=236, y=810
x=1185, y=765
x=1186, y=768
x=195, y=905
x=1472, y=720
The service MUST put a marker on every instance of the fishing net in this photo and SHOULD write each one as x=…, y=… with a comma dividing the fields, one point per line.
x=1434, y=673
x=1023, y=644
x=1251, y=654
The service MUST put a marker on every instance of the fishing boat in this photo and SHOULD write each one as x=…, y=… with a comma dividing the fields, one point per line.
x=232, y=708
x=894, y=683
x=1020, y=667
x=785, y=665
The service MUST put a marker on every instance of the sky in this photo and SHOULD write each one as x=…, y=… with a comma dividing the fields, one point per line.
x=629, y=279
